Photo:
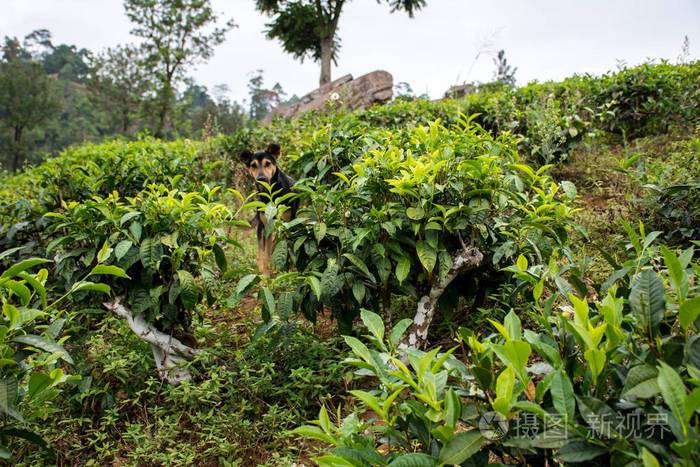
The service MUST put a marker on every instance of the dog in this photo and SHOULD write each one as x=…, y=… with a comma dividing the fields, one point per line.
x=262, y=166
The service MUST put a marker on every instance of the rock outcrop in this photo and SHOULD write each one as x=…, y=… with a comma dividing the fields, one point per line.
x=345, y=92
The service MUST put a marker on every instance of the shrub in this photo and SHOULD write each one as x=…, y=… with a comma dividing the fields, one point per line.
x=577, y=387
x=398, y=218
x=163, y=240
x=31, y=349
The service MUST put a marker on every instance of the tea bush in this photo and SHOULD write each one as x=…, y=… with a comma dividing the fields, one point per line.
x=32, y=356
x=397, y=219
x=571, y=392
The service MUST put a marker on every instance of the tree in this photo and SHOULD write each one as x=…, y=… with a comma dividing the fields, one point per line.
x=504, y=73
x=262, y=100
x=120, y=82
x=26, y=99
x=307, y=28
x=175, y=34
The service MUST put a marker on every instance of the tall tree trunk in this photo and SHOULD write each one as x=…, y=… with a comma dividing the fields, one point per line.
x=17, y=156
x=125, y=122
x=326, y=56
x=166, y=96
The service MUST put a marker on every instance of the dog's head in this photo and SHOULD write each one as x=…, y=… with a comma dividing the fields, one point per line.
x=262, y=165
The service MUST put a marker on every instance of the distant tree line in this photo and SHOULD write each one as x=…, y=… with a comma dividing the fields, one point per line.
x=54, y=95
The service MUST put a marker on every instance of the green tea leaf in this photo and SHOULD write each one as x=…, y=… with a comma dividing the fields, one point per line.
x=189, y=294
x=220, y=256
x=23, y=265
x=647, y=300
x=562, y=393
x=44, y=344
x=151, y=252
x=461, y=447
x=426, y=254
x=403, y=268
x=103, y=270
x=641, y=382
x=374, y=323
x=673, y=392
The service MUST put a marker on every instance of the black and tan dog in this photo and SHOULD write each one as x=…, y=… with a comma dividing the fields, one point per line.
x=262, y=166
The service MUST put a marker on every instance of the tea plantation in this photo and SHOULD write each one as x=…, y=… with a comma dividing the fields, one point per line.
x=508, y=278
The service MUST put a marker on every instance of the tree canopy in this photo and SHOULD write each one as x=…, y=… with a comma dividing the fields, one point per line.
x=307, y=28
x=176, y=34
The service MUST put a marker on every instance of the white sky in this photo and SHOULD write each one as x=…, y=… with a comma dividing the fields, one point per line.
x=545, y=39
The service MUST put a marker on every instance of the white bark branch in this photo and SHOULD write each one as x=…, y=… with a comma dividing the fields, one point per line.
x=465, y=259
x=169, y=353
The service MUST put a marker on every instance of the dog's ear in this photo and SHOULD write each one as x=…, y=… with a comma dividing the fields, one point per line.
x=274, y=149
x=246, y=156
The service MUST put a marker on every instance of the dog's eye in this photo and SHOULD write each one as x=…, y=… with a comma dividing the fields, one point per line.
x=267, y=164
x=254, y=165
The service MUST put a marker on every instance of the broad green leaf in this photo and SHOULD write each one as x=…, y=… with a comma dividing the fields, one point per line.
x=461, y=447
x=403, y=268
x=189, y=294
x=102, y=269
x=314, y=432
x=136, y=230
x=323, y=420
x=416, y=213
x=122, y=249
x=647, y=300
x=23, y=266
x=8, y=396
x=103, y=254
x=579, y=451
x=562, y=393
x=19, y=289
x=415, y=459
x=87, y=286
x=151, y=252
x=245, y=282
x=596, y=362
x=369, y=400
x=641, y=382
x=522, y=263
x=44, y=344
x=36, y=285
x=222, y=263
x=359, y=349
x=38, y=382
x=504, y=392
x=320, y=231
x=512, y=324
x=673, y=392
x=358, y=291
x=569, y=189
x=331, y=281
x=128, y=216
x=688, y=312
x=598, y=415
x=453, y=408
x=359, y=264
x=648, y=459
x=678, y=277
x=426, y=254
x=500, y=328
x=374, y=323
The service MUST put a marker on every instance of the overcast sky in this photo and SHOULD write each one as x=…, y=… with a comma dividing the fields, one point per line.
x=545, y=39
